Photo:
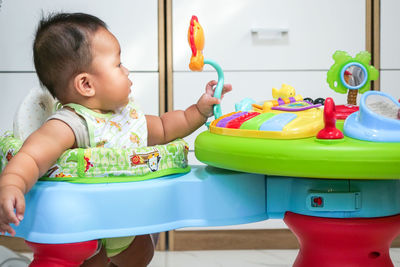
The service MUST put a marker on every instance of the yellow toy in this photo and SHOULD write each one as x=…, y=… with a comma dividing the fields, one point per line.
x=286, y=91
x=269, y=104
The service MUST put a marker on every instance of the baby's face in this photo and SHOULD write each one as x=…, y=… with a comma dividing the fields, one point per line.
x=110, y=78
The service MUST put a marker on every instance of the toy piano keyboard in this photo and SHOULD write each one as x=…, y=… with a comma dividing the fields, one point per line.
x=284, y=118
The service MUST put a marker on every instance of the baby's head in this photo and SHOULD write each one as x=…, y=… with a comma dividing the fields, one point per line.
x=63, y=48
x=78, y=60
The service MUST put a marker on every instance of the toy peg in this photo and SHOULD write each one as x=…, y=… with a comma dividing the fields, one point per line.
x=330, y=131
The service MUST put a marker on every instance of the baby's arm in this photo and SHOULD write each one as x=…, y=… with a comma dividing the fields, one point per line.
x=179, y=123
x=38, y=153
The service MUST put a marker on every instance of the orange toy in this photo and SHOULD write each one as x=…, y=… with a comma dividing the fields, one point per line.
x=196, y=42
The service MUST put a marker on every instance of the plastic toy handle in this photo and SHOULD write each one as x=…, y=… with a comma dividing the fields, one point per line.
x=218, y=89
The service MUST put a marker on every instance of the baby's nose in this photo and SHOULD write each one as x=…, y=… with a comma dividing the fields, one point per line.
x=126, y=71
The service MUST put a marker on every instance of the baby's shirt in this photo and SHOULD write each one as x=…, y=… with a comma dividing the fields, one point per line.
x=125, y=128
x=76, y=123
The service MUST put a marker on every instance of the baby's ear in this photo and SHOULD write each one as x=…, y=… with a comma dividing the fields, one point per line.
x=83, y=84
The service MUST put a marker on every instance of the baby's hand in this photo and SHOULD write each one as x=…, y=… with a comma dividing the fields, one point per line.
x=206, y=101
x=11, y=198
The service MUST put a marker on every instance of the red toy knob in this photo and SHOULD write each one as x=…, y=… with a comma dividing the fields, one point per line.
x=330, y=131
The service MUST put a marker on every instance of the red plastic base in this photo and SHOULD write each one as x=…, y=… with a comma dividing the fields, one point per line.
x=343, y=111
x=328, y=242
x=61, y=255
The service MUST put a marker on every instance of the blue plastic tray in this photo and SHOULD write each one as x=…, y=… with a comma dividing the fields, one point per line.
x=61, y=212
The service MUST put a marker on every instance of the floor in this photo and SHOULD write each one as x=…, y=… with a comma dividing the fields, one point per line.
x=234, y=258
x=225, y=258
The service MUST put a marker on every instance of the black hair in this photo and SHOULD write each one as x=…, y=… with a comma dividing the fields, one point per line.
x=61, y=48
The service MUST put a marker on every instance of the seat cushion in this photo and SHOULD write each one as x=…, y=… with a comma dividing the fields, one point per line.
x=36, y=107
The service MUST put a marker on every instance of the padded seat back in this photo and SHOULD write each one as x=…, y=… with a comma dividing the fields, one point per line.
x=36, y=107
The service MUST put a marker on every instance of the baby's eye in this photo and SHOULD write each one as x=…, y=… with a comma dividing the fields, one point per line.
x=120, y=64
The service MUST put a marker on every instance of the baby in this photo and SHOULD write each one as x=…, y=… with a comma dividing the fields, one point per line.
x=78, y=60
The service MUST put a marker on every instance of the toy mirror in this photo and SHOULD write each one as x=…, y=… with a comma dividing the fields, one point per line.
x=354, y=75
x=351, y=75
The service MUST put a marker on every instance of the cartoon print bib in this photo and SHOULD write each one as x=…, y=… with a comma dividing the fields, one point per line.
x=124, y=129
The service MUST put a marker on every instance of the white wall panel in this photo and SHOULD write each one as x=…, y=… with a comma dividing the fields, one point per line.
x=145, y=91
x=313, y=31
x=134, y=23
x=390, y=82
x=390, y=40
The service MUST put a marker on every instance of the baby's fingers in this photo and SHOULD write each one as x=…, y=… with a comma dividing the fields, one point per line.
x=8, y=213
x=5, y=228
x=214, y=101
x=227, y=88
x=210, y=87
x=20, y=209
